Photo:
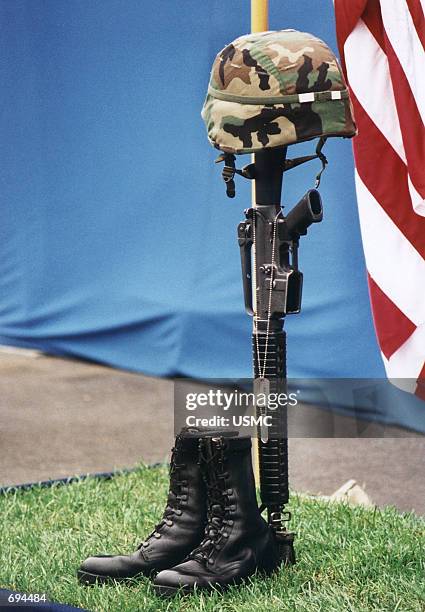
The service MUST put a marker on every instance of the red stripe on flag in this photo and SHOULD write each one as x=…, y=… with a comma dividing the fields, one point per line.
x=385, y=176
x=392, y=326
x=412, y=127
x=418, y=18
x=373, y=19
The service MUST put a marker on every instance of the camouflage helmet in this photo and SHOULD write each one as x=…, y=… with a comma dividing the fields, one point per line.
x=272, y=89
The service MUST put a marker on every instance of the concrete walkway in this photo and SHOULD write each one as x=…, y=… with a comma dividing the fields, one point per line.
x=61, y=417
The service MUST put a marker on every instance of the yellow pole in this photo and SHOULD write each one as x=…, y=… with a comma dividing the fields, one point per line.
x=259, y=23
x=259, y=15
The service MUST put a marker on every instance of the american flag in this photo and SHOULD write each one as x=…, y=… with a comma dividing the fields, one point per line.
x=382, y=46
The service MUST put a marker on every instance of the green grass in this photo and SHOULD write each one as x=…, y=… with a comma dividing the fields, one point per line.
x=348, y=558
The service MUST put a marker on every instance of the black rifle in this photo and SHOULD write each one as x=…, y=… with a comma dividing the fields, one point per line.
x=277, y=292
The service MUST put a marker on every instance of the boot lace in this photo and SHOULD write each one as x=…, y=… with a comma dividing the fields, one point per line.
x=219, y=507
x=175, y=496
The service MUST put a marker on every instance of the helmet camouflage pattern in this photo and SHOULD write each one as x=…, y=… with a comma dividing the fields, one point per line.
x=272, y=89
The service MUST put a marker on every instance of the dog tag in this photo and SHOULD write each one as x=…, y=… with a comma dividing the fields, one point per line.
x=262, y=389
x=264, y=432
x=261, y=399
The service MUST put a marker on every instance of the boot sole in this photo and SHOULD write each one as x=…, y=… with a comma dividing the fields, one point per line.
x=169, y=591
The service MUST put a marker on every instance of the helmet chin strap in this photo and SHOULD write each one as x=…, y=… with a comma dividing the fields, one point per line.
x=248, y=171
x=323, y=159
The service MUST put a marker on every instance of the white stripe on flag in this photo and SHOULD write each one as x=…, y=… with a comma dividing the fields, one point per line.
x=392, y=261
x=369, y=77
x=418, y=202
x=405, y=41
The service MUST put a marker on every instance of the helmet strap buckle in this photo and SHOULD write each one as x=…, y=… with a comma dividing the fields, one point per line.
x=229, y=171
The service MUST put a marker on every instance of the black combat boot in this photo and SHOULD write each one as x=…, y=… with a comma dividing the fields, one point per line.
x=179, y=531
x=237, y=541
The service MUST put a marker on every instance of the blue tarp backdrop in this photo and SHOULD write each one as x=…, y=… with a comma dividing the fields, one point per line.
x=118, y=243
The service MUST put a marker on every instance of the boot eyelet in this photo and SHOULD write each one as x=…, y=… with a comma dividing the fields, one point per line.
x=232, y=507
x=178, y=512
x=225, y=534
x=184, y=497
x=230, y=522
x=229, y=491
x=169, y=523
x=210, y=561
x=157, y=535
x=145, y=544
